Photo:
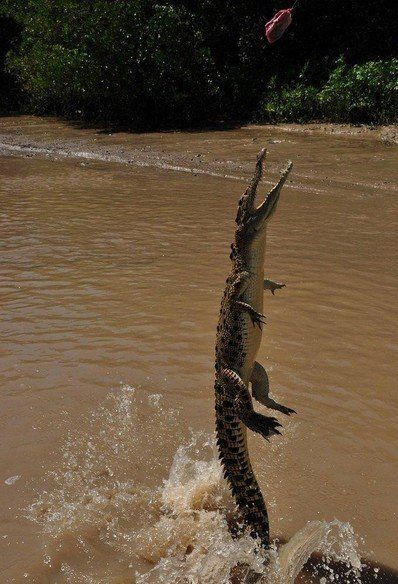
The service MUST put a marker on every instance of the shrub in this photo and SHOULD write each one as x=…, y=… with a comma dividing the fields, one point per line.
x=9, y=85
x=131, y=62
x=365, y=93
x=362, y=93
x=296, y=104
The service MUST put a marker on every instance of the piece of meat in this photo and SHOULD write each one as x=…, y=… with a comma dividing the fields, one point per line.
x=275, y=28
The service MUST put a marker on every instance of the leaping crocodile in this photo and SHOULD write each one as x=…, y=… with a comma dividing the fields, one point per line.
x=239, y=334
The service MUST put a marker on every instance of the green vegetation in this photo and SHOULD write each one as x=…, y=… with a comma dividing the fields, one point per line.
x=173, y=63
x=367, y=92
x=117, y=61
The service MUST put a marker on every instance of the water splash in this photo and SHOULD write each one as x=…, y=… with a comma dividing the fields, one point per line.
x=105, y=514
x=192, y=541
x=335, y=540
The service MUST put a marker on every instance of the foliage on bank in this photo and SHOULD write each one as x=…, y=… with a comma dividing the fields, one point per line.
x=168, y=63
x=114, y=61
x=366, y=92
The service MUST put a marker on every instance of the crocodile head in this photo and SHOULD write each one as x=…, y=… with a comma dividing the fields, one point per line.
x=252, y=220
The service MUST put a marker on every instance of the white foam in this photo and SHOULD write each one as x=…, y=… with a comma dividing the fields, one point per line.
x=177, y=531
x=12, y=480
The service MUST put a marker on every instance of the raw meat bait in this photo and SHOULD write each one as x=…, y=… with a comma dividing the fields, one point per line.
x=275, y=28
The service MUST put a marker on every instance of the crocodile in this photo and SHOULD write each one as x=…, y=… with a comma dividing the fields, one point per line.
x=239, y=333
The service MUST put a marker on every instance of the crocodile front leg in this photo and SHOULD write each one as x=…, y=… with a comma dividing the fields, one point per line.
x=256, y=317
x=260, y=390
x=239, y=286
x=263, y=425
x=270, y=285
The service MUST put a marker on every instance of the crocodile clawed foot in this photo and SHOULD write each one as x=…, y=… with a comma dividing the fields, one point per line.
x=256, y=317
x=272, y=286
x=277, y=287
x=263, y=425
x=287, y=411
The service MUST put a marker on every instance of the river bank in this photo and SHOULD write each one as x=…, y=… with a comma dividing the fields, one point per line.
x=219, y=153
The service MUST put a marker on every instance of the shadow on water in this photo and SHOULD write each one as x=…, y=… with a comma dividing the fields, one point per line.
x=104, y=127
x=316, y=569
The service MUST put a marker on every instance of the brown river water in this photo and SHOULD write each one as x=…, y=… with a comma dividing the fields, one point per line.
x=114, y=254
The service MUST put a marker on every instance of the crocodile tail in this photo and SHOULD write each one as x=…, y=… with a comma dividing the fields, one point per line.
x=234, y=456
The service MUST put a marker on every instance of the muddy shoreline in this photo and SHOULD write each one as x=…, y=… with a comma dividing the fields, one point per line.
x=199, y=152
